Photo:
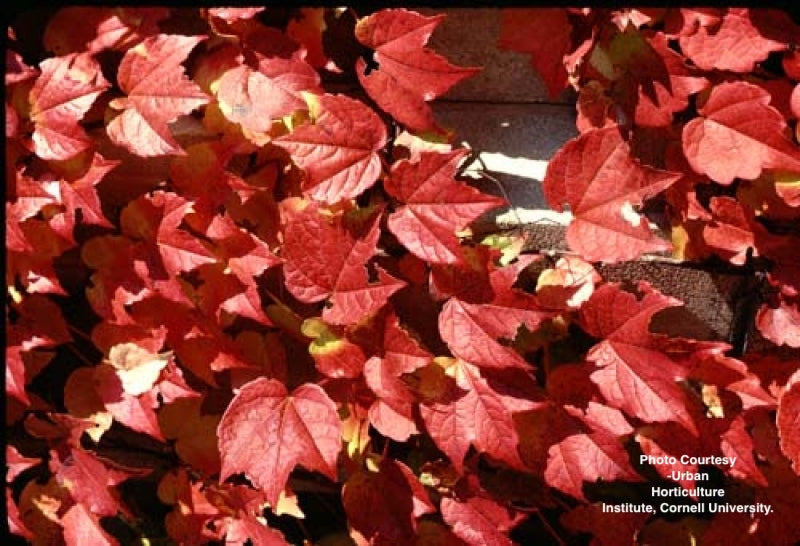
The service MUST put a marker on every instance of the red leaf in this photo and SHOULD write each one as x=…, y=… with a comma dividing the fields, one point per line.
x=33, y=245
x=668, y=90
x=61, y=96
x=568, y=285
x=179, y=250
x=247, y=528
x=476, y=409
x=473, y=331
x=266, y=431
x=392, y=413
x=338, y=151
x=254, y=98
x=623, y=17
x=12, y=125
x=791, y=65
x=31, y=196
x=543, y=33
x=734, y=376
x=788, y=420
x=597, y=177
x=195, y=437
x=82, y=192
x=188, y=523
x=247, y=257
x=587, y=458
x=787, y=184
x=81, y=527
x=16, y=525
x=115, y=283
x=732, y=232
x=737, y=442
x=781, y=526
x=198, y=341
x=172, y=385
x=263, y=42
x=724, y=143
x=436, y=205
x=479, y=521
x=81, y=28
x=780, y=91
x=401, y=352
x=780, y=325
x=41, y=324
x=158, y=92
x=334, y=354
x=408, y=74
x=135, y=412
x=468, y=279
x=607, y=528
x=596, y=109
x=308, y=28
x=602, y=418
x=632, y=373
x=17, y=463
x=231, y=15
x=663, y=443
x=16, y=69
x=323, y=260
x=383, y=506
x=686, y=21
x=786, y=269
x=88, y=481
x=732, y=42
x=15, y=374
x=794, y=99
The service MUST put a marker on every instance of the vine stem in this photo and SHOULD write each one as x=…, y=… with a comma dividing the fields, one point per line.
x=80, y=333
x=550, y=529
x=83, y=358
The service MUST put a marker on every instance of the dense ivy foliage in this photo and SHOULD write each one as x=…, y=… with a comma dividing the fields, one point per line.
x=245, y=304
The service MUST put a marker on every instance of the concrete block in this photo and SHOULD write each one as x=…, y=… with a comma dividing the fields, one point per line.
x=515, y=142
x=710, y=298
x=468, y=37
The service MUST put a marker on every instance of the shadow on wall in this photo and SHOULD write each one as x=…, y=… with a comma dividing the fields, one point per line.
x=469, y=37
x=515, y=141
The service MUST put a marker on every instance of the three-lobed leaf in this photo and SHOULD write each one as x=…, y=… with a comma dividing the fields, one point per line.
x=408, y=74
x=62, y=94
x=266, y=431
x=735, y=42
x=474, y=408
x=383, y=506
x=632, y=373
x=435, y=205
x=738, y=135
x=479, y=332
x=338, y=149
x=158, y=91
x=596, y=176
x=254, y=98
x=325, y=261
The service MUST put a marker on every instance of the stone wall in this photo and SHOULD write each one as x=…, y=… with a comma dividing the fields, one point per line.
x=506, y=114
